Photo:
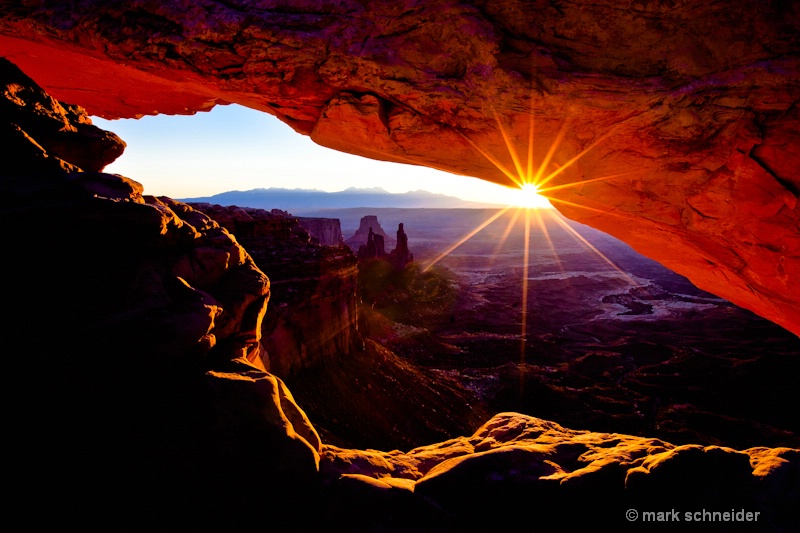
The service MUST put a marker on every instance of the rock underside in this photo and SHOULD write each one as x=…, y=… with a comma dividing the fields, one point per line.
x=673, y=126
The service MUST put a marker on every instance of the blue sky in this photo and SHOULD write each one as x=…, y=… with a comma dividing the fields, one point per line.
x=236, y=148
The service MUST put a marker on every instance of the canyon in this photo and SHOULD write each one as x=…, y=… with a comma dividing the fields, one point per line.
x=144, y=370
x=313, y=311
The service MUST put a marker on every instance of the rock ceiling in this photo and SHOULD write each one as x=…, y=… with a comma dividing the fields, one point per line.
x=672, y=125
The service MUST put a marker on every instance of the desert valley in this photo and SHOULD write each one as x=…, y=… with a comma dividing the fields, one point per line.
x=604, y=348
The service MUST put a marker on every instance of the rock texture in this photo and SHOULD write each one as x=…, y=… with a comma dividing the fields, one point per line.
x=41, y=134
x=676, y=122
x=313, y=314
x=328, y=231
x=518, y=470
x=141, y=321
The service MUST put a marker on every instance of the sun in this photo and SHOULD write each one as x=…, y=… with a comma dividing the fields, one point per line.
x=528, y=196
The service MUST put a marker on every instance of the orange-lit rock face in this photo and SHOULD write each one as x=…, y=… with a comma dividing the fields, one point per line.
x=692, y=107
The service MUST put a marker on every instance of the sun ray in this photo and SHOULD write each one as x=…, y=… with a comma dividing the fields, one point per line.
x=597, y=252
x=510, y=146
x=502, y=239
x=550, y=153
x=525, y=270
x=493, y=161
x=529, y=171
x=467, y=237
x=596, y=210
x=528, y=183
x=543, y=190
x=549, y=240
x=569, y=163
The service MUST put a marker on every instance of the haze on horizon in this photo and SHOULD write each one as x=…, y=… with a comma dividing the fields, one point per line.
x=235, y=148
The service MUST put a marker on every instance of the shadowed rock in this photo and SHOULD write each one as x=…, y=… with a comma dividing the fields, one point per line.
x=142, y=319
x=44, y=134
x=401, y=255
x=313, y=314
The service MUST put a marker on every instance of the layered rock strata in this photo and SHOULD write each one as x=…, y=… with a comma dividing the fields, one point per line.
x=328, y=231
x=313, y=314
x=673, y=127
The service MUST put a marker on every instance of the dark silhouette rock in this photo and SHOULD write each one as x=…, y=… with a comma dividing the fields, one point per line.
x=371, y=249
x=143, y=319
x=380, y=246
x=401, y=255
x=47, y=135
x=366, y=225
x=374, y=247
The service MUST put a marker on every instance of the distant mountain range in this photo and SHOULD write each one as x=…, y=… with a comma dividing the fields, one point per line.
x=303, y=200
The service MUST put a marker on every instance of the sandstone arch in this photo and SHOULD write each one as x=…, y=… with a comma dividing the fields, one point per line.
x=692, y=107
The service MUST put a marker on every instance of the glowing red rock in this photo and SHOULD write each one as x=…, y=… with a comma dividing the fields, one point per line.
x=691, y=108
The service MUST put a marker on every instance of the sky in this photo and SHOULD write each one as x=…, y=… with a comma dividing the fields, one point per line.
x=236, y=148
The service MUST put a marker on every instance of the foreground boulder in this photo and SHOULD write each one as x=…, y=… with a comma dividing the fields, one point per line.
x=518, y=470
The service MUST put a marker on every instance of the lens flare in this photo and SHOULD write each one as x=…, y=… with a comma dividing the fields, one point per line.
x=531, y=183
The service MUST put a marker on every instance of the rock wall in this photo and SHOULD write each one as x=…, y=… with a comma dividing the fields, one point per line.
x=323, y=326
x=328, y=231
x=672, y=126
x=138, y=320
x=313, y=314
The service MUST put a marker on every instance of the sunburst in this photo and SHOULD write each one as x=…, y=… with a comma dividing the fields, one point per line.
x=531, y=184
